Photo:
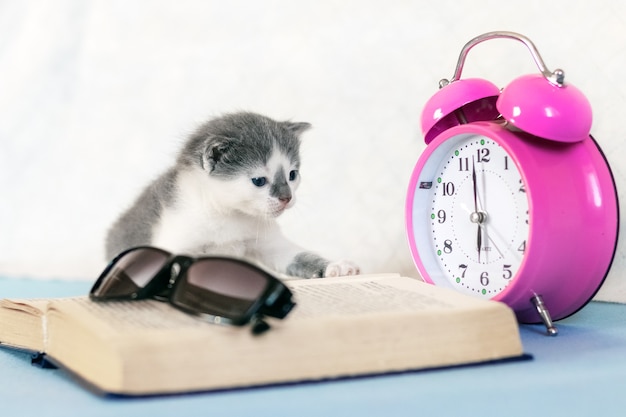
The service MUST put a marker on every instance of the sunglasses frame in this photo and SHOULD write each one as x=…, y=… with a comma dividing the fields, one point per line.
x=275, y=300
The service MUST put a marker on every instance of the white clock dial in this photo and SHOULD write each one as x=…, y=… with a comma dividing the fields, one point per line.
x=478, y=216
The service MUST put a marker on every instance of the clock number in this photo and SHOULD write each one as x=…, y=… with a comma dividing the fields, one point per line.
x=522, y=187
x=463, y=164
x=448, y=188
x=464, y=268
x=441, y=215
x=484, y=279
x=506, y=162
x=447, y=246
x=522, y=247
x=483, y=155
x=507, y=273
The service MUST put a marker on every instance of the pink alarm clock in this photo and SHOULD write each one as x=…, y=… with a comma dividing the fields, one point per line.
x=512, y=199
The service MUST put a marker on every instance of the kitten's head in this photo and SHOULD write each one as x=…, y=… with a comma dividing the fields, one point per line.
x=251, y=160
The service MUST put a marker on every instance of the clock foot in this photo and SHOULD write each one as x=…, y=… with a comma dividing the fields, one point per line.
x=537, y=301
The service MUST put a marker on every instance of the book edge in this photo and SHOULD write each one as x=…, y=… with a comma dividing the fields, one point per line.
x=96, y=390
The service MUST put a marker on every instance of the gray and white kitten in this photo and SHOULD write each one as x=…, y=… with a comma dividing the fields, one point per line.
x=234, y=176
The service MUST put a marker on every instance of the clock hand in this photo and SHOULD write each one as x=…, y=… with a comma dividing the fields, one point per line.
x=493, y=243
x=474, y=186
x=479, y=240
x=476, y=216
x=480, y=217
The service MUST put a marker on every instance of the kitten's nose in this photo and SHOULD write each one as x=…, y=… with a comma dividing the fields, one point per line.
x=281, y=190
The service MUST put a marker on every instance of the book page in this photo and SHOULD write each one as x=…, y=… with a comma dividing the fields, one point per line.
x=315, y=298
x=34, y=306
x=371, y=294
x=131, y=315
x=22, y=323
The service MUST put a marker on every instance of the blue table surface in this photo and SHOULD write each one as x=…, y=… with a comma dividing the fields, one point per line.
x=581, y=372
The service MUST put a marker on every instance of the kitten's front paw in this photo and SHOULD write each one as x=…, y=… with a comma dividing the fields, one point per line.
x=341, y=268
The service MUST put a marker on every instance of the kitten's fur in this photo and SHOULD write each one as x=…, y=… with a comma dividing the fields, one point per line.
x=233, y=177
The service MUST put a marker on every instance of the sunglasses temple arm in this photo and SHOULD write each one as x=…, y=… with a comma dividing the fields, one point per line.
x=278, y=306
x=259, y=325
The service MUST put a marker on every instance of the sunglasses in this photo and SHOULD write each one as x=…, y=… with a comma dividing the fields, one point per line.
x=222, y=290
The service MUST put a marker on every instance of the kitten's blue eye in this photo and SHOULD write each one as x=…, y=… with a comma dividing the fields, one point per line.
x=259, y=181
x=293, y=175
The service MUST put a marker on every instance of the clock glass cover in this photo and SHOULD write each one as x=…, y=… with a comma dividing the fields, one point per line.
x=475, y=221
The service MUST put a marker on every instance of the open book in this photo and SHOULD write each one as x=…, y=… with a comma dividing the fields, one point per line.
x=341, y=327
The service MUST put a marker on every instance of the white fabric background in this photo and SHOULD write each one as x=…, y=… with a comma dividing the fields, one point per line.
x=96, y=97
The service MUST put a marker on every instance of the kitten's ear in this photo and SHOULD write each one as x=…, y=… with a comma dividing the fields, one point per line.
x=297, y=127
x=216, y=147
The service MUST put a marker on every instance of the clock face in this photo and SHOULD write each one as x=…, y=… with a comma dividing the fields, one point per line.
x=477, y=210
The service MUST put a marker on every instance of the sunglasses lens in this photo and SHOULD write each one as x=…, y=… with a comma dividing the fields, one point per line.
x=220, y=287
x=130, y=273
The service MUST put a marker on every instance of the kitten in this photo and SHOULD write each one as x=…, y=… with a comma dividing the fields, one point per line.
x=234, y=176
